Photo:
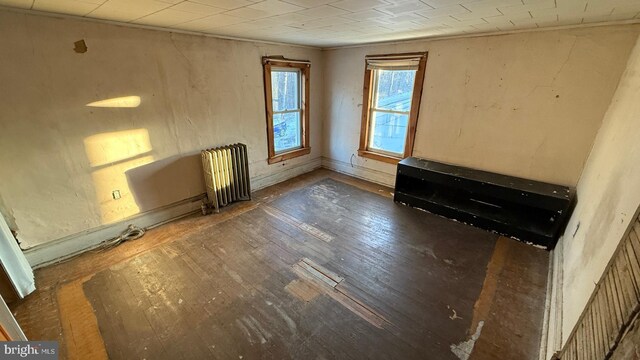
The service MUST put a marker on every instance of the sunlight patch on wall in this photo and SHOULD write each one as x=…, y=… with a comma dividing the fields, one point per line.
x=119, y=102
x=110, y=178
x=111, y=155
x=111, y=147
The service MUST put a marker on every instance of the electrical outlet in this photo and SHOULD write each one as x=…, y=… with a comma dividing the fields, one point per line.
x=115, y=194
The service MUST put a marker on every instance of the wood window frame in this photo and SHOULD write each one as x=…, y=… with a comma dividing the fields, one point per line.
x=304, y=66
x=367, y=90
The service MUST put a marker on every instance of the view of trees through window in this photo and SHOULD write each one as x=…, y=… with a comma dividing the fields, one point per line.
x=391, y=106
x=287, y=114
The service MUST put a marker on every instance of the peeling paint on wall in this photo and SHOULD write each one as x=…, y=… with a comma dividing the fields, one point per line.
x=80, y=47
x=7, y=214
x=608, y=196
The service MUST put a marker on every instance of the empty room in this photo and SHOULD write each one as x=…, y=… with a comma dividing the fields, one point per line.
x=320, y=179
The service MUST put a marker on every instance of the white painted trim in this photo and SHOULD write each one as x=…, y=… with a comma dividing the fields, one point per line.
x=361, y=172
x=544, y=338
x=260, y=182
x=552, y=331
x=558, y=287
x=72, y=245
x=13, y=262
x=9, y=323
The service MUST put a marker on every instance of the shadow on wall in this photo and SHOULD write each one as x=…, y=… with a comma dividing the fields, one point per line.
x=166, y=181
x=126, y=177
x=110, y=156
x=128, y=181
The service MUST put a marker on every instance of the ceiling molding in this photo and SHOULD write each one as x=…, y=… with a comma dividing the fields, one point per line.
x=149, y=27
x=324, y=48
x=485, y=34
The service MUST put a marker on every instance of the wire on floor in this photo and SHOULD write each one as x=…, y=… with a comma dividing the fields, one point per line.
x=131, y=233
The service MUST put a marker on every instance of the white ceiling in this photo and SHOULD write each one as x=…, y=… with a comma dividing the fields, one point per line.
x=341, y=22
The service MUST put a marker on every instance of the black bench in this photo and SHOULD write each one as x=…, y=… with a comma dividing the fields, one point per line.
x=527, y=210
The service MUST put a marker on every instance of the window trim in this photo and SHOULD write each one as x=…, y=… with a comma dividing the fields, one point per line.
x=367, y=96
x=304, y=67
x=298, y=108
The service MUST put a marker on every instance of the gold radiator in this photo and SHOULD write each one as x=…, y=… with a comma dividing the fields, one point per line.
x=226, y=175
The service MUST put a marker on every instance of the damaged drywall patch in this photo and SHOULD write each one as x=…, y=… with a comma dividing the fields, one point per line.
x=463, y=350
x=80, y=47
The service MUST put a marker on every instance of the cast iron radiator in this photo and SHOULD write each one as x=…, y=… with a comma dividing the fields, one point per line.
x=226, y=175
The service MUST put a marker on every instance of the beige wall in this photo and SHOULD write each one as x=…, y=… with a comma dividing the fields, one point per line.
x=60, y=160
x=526, y=104
x=608, y=196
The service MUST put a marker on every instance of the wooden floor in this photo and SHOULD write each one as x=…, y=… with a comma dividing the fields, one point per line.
x=322, y=266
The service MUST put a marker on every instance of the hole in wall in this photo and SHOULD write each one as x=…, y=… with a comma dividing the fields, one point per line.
x=80, y=47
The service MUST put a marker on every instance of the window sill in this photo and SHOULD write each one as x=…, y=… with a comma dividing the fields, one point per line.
x=289, y=155
x=380, y=157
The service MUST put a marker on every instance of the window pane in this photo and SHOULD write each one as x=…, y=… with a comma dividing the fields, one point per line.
x=388, y=131
x=285, y=90
x=394, y=89
x=287, y=133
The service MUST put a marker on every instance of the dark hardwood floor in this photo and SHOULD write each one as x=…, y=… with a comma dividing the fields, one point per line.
x=322, y=266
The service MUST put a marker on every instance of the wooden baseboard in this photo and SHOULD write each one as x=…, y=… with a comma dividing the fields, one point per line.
x=69, y=246
x=264, y=181
x=551, y=340
x=360, y=172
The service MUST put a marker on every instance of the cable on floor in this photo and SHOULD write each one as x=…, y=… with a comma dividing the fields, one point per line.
x=132, y=232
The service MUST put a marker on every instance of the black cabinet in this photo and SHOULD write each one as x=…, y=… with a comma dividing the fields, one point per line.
x=527, y=210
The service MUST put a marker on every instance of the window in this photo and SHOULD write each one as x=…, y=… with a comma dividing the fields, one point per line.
x=391, y=101
x=287, y=103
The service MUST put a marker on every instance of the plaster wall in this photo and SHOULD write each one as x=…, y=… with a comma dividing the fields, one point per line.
x=60, y=160
x=525, y=104
x=608, y=196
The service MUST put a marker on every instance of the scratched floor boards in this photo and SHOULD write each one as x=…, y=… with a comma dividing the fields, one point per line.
x=326, y=271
